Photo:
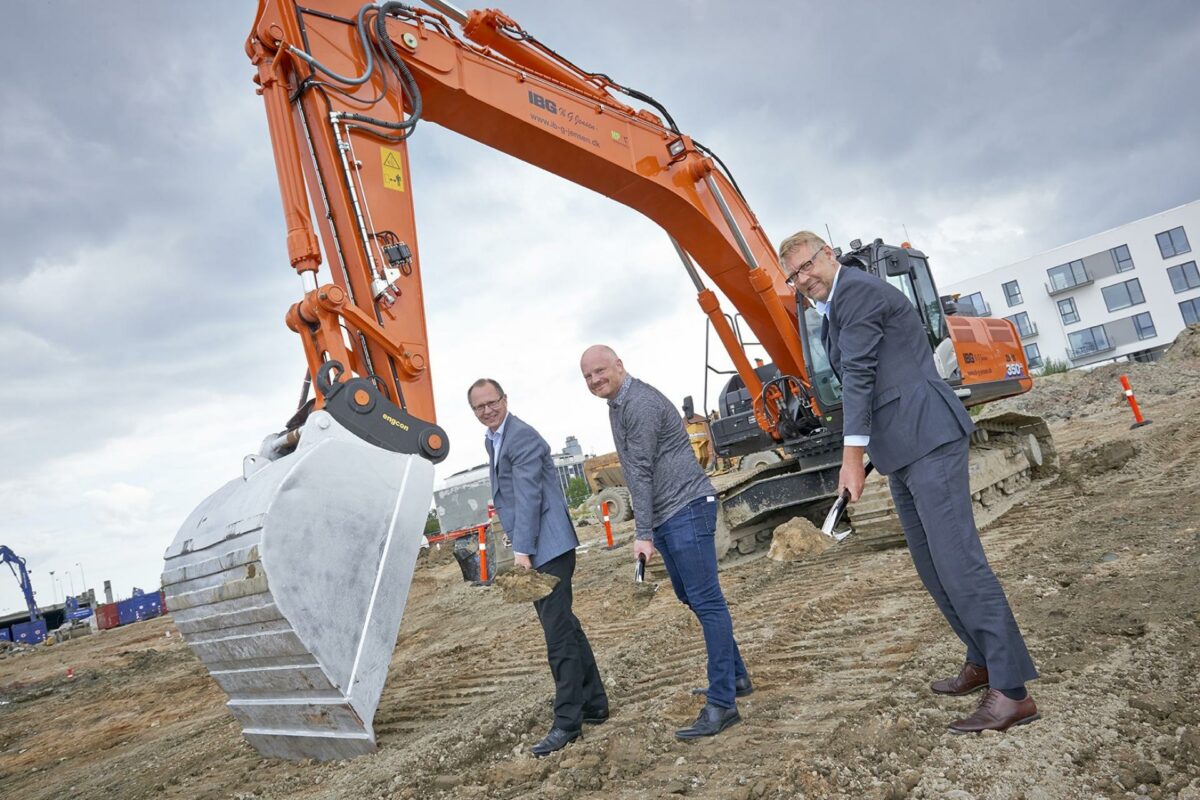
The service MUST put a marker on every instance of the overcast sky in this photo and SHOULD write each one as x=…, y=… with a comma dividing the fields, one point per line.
x=143, y=277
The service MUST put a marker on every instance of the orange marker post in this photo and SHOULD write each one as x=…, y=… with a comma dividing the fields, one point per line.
x=483, y=529
x=1139, y=420
x=607, y=524
x=483, y=567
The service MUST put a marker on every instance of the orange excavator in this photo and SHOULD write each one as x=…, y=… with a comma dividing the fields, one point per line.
x=290, y=581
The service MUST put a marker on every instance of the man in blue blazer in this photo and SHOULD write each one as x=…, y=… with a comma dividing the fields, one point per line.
x=533, y=511
x=899, y=411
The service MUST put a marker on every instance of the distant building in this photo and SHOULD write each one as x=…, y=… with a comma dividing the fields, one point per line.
x=569, y=463
x=1121, y=294
x=462, y=499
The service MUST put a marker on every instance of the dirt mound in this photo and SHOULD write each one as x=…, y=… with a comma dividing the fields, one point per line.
x=525, y=585
x=798, y=540
x=642, y=592
x=1185, y=350
x=434, y=556
x=1102, y=458
x=1080, y=394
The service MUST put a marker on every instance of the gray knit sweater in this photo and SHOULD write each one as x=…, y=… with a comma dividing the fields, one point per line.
x=656, y=455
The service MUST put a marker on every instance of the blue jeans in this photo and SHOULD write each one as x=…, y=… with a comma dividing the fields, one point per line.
x=690, y=556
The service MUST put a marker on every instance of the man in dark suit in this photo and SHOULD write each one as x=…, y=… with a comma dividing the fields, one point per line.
x=533, y=511
x=899, y=411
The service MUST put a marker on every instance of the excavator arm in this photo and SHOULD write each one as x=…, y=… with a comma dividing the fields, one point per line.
x=345, y=85
x=17, y=565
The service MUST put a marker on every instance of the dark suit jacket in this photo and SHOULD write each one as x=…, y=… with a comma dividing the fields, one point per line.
x=527, y=494
x=891, y=390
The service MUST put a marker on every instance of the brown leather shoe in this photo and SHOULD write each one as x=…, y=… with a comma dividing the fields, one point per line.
x=997, y=713
x=971, y=678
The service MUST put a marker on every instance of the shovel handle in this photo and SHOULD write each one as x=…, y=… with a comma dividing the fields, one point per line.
x=839, y=506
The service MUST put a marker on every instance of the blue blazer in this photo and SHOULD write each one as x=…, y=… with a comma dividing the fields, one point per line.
x=527, y=494
x=891, y=390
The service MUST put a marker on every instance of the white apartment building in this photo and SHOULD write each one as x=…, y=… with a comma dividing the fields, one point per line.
x=1124, y=293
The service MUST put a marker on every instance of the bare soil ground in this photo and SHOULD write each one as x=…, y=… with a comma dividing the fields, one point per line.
x=1102, y=567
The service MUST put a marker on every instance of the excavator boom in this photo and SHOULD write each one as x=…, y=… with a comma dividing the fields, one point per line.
x=492, y=82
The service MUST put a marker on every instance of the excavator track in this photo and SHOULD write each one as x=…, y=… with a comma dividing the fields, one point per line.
x=1008, y=453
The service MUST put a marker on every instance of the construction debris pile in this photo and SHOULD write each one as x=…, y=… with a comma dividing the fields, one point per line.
x=8, y=649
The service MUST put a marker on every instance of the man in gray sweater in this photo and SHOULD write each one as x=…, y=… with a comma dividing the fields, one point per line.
x=675, y=511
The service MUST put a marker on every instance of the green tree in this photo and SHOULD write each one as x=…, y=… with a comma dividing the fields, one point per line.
x=577, y=492
x=1052, y=367
x=431, y=524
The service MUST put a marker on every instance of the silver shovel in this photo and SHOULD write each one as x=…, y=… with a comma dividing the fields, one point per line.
x=839, y=509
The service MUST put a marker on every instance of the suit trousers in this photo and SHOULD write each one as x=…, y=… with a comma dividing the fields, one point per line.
x=933, y=501
x=577, y=683
x=689, y=553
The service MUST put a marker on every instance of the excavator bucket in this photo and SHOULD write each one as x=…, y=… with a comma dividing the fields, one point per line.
x=289, y=583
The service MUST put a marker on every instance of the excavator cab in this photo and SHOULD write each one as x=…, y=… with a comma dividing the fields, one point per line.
x=907, y=269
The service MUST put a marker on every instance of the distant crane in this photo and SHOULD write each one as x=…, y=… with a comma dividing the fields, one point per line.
x=17, y=565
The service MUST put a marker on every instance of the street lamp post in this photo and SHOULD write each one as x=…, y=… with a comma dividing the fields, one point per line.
x=53, y=586
x=82, y=579
x=71, y=579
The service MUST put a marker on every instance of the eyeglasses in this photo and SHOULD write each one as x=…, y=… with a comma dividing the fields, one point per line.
x=491, y=405
x=805, y=267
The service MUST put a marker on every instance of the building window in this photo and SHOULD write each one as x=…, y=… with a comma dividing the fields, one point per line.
x=1144, y=325
x=976, y=302
x=1065, y=276
x=1022, y=324
x=1121, y=258
x=1033, y=356
x=1173, y=242
x=1191, y=311
x=1067, y=310
x=1123, y=295
x=1012, y=293
x=1184, y=276
x=1089, y=341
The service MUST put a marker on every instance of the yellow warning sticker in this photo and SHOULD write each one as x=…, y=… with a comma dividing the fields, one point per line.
x=393, y=171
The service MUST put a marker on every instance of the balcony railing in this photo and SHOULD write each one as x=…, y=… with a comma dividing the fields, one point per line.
x=1052, y=290
x=1087, y=351
x=1029, y=331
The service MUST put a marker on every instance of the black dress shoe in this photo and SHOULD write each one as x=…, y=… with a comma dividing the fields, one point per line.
x=556, y=739
x=591, y=717
x=741, y=688
x=712, y=720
